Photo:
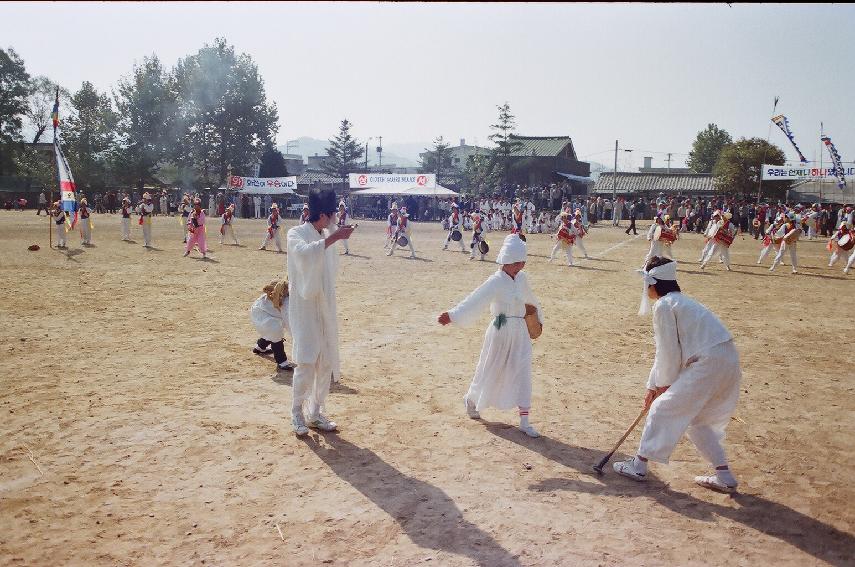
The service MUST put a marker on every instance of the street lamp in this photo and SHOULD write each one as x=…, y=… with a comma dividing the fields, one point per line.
x=366, y=153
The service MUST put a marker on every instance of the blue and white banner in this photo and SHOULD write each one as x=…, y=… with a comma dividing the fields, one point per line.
x=783, y=172
x=784, y=124
x=835, y=159
x=263, y=185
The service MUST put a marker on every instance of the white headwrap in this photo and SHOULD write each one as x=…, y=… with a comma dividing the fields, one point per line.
x=513, y=250
x=667, y=272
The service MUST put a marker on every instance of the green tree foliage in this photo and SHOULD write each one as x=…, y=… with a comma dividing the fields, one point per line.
x=706, y=148
x=223, y=115
x=505, y=146
x=344, y=152
x=739, y=167
x=146, y=107
x=272, y=162
x=438, y=158
x=479, y=174
x=14, y=90
x=88, y=135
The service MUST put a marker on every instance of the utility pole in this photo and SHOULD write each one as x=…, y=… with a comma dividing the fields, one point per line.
x=614, y=176
x=380, y=152
x=669, y=162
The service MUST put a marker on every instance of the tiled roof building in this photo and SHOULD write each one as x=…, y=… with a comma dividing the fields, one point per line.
x=628, y=183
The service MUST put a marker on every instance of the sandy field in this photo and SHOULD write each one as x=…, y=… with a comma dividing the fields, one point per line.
x=139, y=429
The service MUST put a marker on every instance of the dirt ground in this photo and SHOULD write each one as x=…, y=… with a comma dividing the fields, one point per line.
x=139, y=429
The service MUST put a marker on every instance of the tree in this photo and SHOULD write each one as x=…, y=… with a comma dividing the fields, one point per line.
x=479, y=174
x=706, y=148
x=344, y=152
x=438, y=159
x=40, y=104
x=739, y=166
x=14, y=89
x=146, y=105
x=272, y=162
x=89, y=135
x=505, y=145
x=223, y=115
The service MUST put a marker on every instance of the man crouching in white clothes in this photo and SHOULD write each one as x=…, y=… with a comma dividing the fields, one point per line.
x=694, y=383
x=312, y=267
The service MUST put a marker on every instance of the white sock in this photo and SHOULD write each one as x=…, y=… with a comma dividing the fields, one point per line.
x=524, y=419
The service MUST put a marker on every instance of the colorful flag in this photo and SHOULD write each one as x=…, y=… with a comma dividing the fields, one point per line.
x=784, y=124
x=55, y=114
x=67, y=187
x=835, y=159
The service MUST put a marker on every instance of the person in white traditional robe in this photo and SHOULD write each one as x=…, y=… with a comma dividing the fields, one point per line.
x=272, y=234
x=269, y=315
x=454, y=222
x=403, y=229
x=126, y=218
x=580, y=231
x=774, y=236
x=564, y=239
x=719, y=247
x=312, y=263
x=503, y=376
x=693, y=385
x=146, y=211
x=343, y=218
x=59, y=218
x=656, y=248
x=708, y=234
x=790, y=243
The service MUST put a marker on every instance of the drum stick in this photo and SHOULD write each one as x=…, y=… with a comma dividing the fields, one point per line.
x=599, y=466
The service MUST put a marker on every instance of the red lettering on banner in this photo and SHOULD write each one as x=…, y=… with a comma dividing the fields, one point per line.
x=362, y=180
x=421, y=180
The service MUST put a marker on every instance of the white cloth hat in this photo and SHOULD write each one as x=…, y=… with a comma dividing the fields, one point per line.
x=513, y=250
x=667, y=272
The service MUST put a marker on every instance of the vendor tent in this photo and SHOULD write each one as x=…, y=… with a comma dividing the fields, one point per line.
x=416, y=191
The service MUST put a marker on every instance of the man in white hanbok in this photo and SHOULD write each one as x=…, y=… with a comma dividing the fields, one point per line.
x=312, y=267
x=503, y=375
x=693, y=385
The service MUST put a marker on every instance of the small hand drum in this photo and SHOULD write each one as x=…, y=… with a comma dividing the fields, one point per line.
x=483, y=247
x=456, y=235
x=846, y=242
x=403, y=240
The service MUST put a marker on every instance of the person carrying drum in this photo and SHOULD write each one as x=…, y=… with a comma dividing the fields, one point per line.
x=479, y=245
x=791, y=239
x=342, y=221
x=774, y=236
x=565, y=238
x=653, y=237
x=841, y=241
x=402, y=236
x=391, y=225
x=579, y=227
x=454, y=232
x=723, y=232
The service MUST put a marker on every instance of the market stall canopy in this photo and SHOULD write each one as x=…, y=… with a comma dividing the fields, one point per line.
x=416, y=191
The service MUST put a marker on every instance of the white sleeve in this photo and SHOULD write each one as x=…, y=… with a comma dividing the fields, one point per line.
x=669, y=356
x=650, y=231
x=308, y=259
x=467, y=312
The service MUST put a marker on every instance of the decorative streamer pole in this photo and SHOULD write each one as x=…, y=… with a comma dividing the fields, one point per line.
x=766, y=149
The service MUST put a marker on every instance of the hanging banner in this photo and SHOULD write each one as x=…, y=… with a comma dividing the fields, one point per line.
x=263, y=185
x=782, y=172
x=835, y=159
x=392, y=180
x=784, y=124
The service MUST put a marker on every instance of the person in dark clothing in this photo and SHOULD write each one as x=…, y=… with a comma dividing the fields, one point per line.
x=633, y=213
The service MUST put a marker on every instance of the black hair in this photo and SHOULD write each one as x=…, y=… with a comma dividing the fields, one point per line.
x=321, y=201
x=663, y=287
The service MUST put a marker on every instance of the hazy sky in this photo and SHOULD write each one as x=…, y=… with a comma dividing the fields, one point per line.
x=649, y=75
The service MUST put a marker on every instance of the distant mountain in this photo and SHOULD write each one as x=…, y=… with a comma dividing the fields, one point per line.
x=402, y=155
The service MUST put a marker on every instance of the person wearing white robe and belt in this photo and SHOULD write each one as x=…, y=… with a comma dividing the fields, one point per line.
x=312, y=264
x=693, y=385
x=789, y=243
x=503, y=376
x=403, y=229
x=146, y=211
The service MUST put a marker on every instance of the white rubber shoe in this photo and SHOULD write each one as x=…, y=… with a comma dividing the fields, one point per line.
x=530, y=431
x=322, y=423
x=713, y=482
x=470, y=409
x=628, y=469
x=299, y=424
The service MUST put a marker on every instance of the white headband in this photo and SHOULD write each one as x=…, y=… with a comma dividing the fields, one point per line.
x=667, y=272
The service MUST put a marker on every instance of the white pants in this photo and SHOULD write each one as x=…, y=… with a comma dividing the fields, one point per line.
x=85, y=232
x=581, y=246
x=835, y=256
x=765, y=252
x=395, y=243
x=311, y=386
x=146, y=231
x=275, y=240
x=657, y=249
x=700, y=401
x=811, y=232
x=476, y=240
x=794, y=260
x=720, y=249
x=850, y=262
x=617, y=217
x=448, y=240
x=258, y=210
x=710, y=243
x=568, y=250
x=126, y=229
x=60, y=235
x=228, y=230
x=345, y=246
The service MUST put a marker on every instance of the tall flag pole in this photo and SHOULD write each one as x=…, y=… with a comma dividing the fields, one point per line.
x=67, y=187
x=835, y=159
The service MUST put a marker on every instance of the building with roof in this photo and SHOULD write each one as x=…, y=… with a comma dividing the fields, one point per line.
x=540, y=160
x=816, y=191
x=631, y=183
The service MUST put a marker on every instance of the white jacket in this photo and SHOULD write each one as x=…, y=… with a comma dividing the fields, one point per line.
x=269, y=321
